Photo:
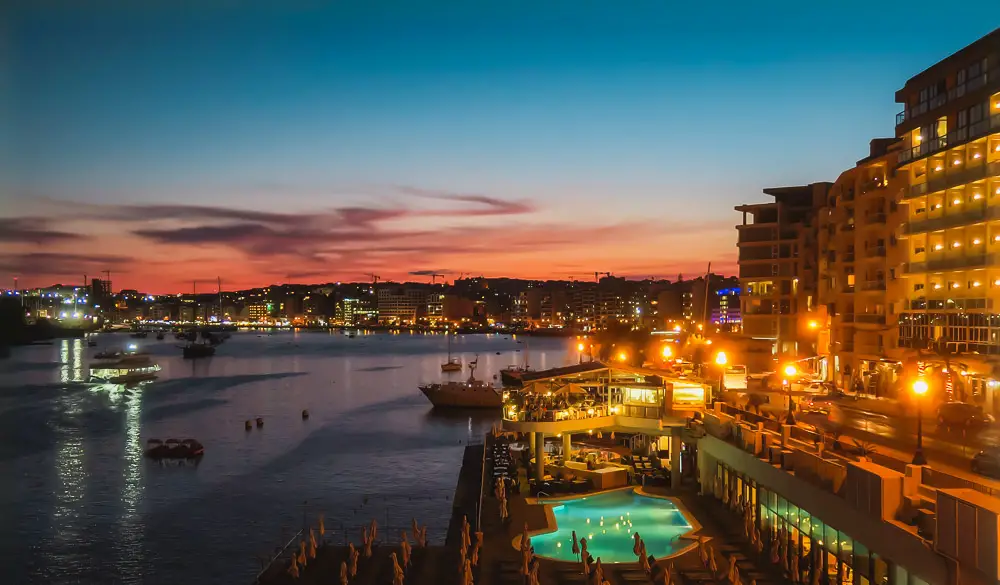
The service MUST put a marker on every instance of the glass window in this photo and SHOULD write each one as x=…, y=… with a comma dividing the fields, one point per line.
x=861, y=560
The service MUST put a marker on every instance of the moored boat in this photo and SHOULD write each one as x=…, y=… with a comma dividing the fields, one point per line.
x=198, y=350
x=128, y=369
x=472, y=393
x=174, y=449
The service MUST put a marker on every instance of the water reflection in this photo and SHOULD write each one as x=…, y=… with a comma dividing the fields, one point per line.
x=130, y=526
x=68, y=522
x=71, y=360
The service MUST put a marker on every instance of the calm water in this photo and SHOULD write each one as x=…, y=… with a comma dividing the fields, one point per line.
x=608, y=522
x=80, y=504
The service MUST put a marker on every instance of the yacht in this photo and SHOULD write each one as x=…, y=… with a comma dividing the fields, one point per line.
x=472, y=393
x=512, y=375
x=127, y=369
x=198, y=350
x=453, y=364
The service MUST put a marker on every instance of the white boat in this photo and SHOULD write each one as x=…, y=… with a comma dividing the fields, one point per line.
x=472, y=393
x=453, y=364
x=126, y=370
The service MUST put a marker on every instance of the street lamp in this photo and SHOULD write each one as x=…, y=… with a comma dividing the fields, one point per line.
x=622, y=356
x=721, y=360
x=667, y=352
x=579, y=351
x=790, y=372
x=919, y=389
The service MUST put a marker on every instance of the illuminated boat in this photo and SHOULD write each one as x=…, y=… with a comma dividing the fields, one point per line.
x=128, y=369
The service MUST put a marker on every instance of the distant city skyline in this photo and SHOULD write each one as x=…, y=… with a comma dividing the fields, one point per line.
x=266, y=145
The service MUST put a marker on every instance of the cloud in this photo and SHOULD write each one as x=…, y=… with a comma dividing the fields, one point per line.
x=489, y=205
x=32, y=230
x=56, y=264
x=438, y=272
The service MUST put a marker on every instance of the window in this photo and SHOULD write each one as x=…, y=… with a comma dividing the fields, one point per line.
x=961, y=77
x=963, y=119
x=918, y=250
x=975, y=114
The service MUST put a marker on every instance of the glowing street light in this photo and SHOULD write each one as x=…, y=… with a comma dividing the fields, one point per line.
x=814, y=324
x=667, y=352
x=790, y=372
x=919, y=390
x=721, y=360
x=622, y=356
x=579, y=351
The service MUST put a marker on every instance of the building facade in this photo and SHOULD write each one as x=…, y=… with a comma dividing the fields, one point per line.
x=778, y=263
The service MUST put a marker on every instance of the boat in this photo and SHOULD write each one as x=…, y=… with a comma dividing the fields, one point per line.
x=174, y=449
x=107, y=355
x=140, y=335
x=160, y=335
x=512, y=375
x=472, y=393
x=198, y=350
x=453, y=364
x=127, y=369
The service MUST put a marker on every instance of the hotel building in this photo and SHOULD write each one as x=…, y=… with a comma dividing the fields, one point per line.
x=859, y=270
x=950, y=158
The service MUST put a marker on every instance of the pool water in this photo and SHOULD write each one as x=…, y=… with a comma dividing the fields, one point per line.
x=608, y=522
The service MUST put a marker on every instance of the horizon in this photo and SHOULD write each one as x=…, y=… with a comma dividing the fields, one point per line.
x=323, y=143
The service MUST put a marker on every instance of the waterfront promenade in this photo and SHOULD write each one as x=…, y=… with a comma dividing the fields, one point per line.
x=500, y=563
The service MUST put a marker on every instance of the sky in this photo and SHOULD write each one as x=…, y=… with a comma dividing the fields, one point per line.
x=273, y=142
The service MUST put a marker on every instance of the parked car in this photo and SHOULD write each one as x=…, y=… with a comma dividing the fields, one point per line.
x=987, y=462
x=962, y=414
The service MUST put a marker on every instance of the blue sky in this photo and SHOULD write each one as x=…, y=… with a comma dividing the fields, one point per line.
x=598, y=114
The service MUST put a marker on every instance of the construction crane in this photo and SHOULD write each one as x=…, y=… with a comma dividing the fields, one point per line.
x=597, y=275
x=375, y=278
x=434, y=277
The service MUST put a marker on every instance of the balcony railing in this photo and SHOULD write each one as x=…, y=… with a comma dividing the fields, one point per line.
x=873, y=285
x=972, y=261
x=847, y=317
x=875, y=218
x=971, y=84
x=956, y=178
x=873, y=185
x=953, y=138
x=871, y=318
x=875, y=252
x=848, y=288
x=953, y=220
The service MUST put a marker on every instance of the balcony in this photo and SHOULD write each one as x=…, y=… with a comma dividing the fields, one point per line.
x=972, y=261
x=875, y=219
x=875, y=252
x=849, y=257
x=873, y=185
x=873, y=285
x=971, y=84
x=847, y=317
x=956, y=178
x=953, y=138
x=952, y=220
x=847, y=288
x=848, y=194
x=871, y=319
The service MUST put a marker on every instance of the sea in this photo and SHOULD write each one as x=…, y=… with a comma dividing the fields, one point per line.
x=79, y=502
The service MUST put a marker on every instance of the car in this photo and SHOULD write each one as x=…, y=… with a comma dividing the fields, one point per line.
x=987, y=462
x=962, y=414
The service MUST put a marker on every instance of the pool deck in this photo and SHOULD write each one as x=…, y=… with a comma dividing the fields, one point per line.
x=500, y=561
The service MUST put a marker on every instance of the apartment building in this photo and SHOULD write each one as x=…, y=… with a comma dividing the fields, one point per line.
x=400, y=305
x=778, y=262
x=859, y=271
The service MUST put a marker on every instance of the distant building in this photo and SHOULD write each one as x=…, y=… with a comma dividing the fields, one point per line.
x=726, y=313
x=258, y=312
x=400, y=305
x=354, y=311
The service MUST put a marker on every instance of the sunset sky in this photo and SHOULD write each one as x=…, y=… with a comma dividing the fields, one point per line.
x=167, y=141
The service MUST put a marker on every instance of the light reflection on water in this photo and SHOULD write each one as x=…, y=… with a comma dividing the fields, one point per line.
x=82, y=504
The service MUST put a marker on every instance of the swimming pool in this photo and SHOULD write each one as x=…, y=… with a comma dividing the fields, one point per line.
x=608, y=521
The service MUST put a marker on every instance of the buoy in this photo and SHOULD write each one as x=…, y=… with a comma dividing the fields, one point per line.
x=248, y=425
x=260, y=421
x=305, y=414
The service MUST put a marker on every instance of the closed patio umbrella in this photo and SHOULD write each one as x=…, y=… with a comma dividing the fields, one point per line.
x=644, y=557
x=467, y=573
x=598, y=571
x=405, y=551
x=576, y=545
x=525, y=541
x=293, y=568
x=775, y=553
x=635, y=546
x=352, y=568
x=302, y=553
x=796, y=574
x=583, y=556
x=312, y=538
x=374, y=531
x=343, y=572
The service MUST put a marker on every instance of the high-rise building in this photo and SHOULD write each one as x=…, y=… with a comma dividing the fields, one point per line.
x=859, y=267
x=400, y=305
x=100, y=293
x=354, y=311
x=778, y=256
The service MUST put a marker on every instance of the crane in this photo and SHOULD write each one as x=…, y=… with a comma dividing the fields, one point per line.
x=597, y=275
x=375, y=278
x=434, y=277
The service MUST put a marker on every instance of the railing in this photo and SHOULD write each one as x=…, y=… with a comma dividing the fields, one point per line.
x=847, y=317
x=848, y=257
x=873, y=185
x=952, y=220
x=848, y=288
x=953, y=138
x=971, y=84
x=875, y=218
x=973, y=261
x=873, y=285
x=870, y=318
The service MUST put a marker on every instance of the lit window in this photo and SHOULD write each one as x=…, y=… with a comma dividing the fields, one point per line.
x=977, y=156
x=937, y=206
x=937, y=285
x=956, y=162
x=956, y=201
x=977, y=196
x=976, y=242
x=976, y=284
x=941, y=246
x=956, y=244
x=954, y=285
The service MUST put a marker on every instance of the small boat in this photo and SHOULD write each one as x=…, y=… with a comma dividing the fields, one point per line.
x=498, y=353
x=453, y=364
x=198, y=350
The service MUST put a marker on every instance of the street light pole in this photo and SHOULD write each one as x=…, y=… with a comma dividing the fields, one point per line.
x=919, y=389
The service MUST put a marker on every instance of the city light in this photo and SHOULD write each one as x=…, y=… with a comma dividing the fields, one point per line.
x=721, y=358
x=790, y=370
x=667, y=352
x=920, y=387
x=814, y=324
x=579, y=347
x=622, y=356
